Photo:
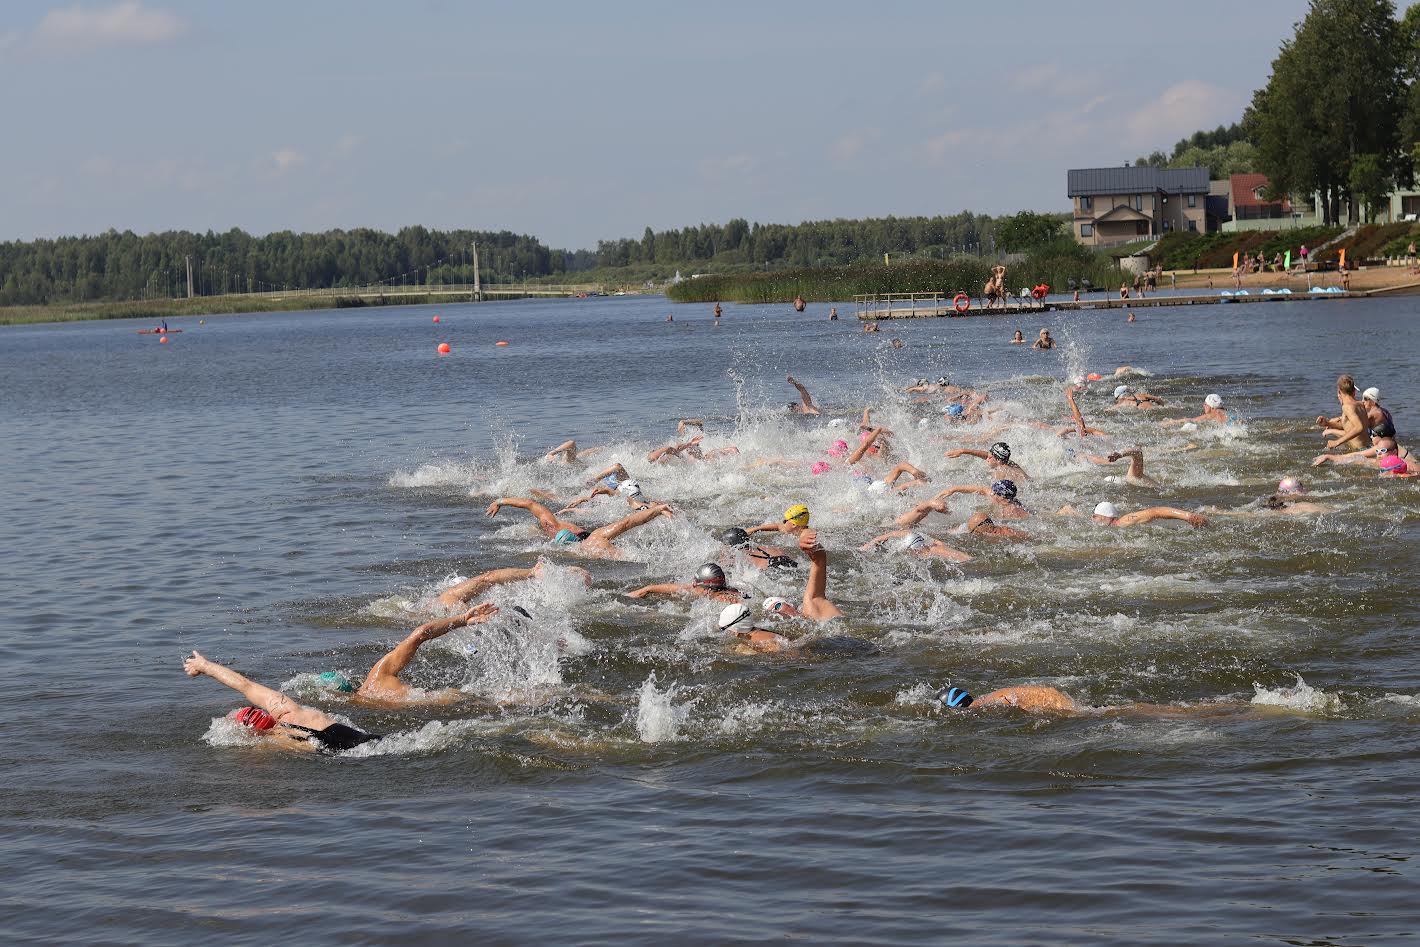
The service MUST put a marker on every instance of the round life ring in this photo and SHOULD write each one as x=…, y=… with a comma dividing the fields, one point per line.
x=1038, y=293
x=961, y=302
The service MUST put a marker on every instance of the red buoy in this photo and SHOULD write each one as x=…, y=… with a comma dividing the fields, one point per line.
x=436, y=320
x=163, y=339
x=500, y=343
x=444, y=348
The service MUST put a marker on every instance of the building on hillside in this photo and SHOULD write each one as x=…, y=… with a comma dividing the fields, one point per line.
x=1247, y=199
x=1123, y=205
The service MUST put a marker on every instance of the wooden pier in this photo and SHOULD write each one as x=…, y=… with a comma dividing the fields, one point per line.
x=875, y=307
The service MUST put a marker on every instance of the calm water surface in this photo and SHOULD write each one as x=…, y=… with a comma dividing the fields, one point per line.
x=287, y=492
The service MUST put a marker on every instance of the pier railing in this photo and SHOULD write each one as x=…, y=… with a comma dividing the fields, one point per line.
x=871, y=305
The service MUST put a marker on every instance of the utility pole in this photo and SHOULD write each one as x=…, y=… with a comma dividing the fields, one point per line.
x=189, y=276
x=477, y=284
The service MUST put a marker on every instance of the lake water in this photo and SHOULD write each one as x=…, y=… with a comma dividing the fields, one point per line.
x=286, y=493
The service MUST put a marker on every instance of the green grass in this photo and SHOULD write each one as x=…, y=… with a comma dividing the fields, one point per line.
x=1185, y=251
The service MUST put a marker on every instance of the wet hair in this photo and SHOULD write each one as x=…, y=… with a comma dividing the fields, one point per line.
x=1274, y=502
x=1346, y=385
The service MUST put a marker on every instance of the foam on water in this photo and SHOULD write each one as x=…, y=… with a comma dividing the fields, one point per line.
x=658, y=717
x=1302, y=698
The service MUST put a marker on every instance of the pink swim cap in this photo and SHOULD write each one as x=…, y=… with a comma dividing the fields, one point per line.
x=1390, y=463
x=864, y=435
x=838, y=448
x=1290, y=485
x=253, y=717
x=820, y=466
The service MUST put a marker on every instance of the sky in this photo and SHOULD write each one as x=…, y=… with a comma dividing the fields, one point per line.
x=576, y=122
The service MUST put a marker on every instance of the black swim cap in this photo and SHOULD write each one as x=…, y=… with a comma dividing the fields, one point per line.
x=734, y=536
x=955, y=697
x=521, y=611
x=1001, y=451
x=710, y=576
x=1005, y=489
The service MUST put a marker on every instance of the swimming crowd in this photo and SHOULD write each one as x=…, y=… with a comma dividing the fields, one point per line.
x=1361, y=434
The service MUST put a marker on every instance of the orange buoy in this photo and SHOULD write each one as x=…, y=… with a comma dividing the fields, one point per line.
x=163, y=339
x=1094, y=376
x=436, y=320
x=444, y=348
x=500, y=343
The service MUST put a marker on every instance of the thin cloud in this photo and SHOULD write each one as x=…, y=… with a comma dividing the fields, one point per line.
x=128, y=23
x=933, y=82
x=287, y=158
x=345, y=146
x=1180, y=109
x=726, y=165
x=1053, y=79
x=848, y=147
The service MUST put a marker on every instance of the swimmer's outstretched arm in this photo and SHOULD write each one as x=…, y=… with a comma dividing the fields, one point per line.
x=1136, y=461
x=767, y=528
x=612, y=530
x=615, y=470
x=471, y=588
x=1139, y=517
x=905, y=468
x=385, y=674
x=807, y=405
x=816, y=604
x=1075, y=413
x=689, y=422
x=283, y=708
x=866, y=444
x=966, y=452
x=578, y=501
x=877, y=541
x=659, y=588
x=919, y=513
x=544, y=516
x=963, y=488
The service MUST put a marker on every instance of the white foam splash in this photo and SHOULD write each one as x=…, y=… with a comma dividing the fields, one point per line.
x=1302, y=698
x=658, y=717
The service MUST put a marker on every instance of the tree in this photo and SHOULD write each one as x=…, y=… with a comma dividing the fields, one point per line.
x=1026, y=230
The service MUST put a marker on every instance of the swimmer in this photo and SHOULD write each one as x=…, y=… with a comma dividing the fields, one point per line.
x=1077, y=417
x=915, y=544
x=1393, y=466
x=1379, y=422
x=816, y=604
x=1019, y=338
x=279, y=718
x=1377, y=452
x=761, y=557
x=1002, y=495
x=1281, y=503
x=596, y=542
x=980, y=524
x=1107, y=514
x=615, y=472
x=683, y=423
x=1212, y=411
x=1135, y=476
x=796, y=520
x=567, y=453
x=1045, y=341
x=1345, y=431
x=871, y=327
x=998, y=459
x=833, y=314
x=717, y=310
x=806, y=401
x=738, y=622
x=1030, y=698
x=709, y=582
x=459, y=594
x=629, y=490
x=1127, y=399
x=1131, y=317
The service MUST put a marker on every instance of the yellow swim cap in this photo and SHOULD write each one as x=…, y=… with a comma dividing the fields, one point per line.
x=798, y=514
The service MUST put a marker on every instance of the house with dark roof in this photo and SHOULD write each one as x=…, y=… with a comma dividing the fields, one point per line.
x=1247, y=199
x=1126, y=204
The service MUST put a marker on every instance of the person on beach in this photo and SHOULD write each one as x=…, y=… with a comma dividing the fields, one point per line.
x=1212, y=412
x=998, y=460
x=1044, y=341
x=595, y=542
x=710, y=582
x=1347, y=431
x=1019, y=338
x=805, y=404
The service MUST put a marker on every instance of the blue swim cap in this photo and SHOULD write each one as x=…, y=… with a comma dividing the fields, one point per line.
x=956, y=410
x=565, y=537
x=335, y=681
x=1005, y=489
x=611, y=482
x=954, y=697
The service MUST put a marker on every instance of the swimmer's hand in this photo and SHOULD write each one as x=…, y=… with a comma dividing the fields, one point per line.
x=194, y=665
x=1321, y=420
x=808, y=541
x=493, y=509
x=479, y=614
x=1196, y=520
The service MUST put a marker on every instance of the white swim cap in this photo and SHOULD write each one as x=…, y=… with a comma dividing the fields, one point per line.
x=1213, y=401
x=877, y=486
x=1371, y=394
x=1290, y=485
x=913, y=541
x=1107, y=509
x=1079, y=380
x=774, y=603
x=838, y=422
x=732, y=614
x=629, y=488
x=1121, y=391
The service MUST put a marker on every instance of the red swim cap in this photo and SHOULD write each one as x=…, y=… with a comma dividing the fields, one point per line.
x=254, y=717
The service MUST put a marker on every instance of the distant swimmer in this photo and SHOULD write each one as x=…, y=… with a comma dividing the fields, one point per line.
x=998, y=459
x=833, y=314
x=1283, y=502
x=1382, y=448
x=1001, y=494
x=1127, y=399
x=1019, y=338
x=1212, y=413
x=1135, y=475
x=805, y=404
x=596, y=542
x=710, y=582
x=629, y=490
x=717, y=310
x=456, y=595
x=1107, y=514
x=796, y=520
x=1346, y=431
x=567, y=453
x=761, y=557
x=982, y=525
x=1077, y=418
x=912, y=543
x=1045, y=341
x=871, y=327
x=1131, y=316
x=277, y=717
x=1035, y=699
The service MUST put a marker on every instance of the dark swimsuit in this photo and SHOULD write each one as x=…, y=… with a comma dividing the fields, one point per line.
x=1387, y=426
x=582, y=534
x=335, y=737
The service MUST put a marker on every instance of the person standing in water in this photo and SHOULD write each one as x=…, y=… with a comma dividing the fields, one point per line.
x=1346, y=432
x=1045, y=341
x=1019, y=338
